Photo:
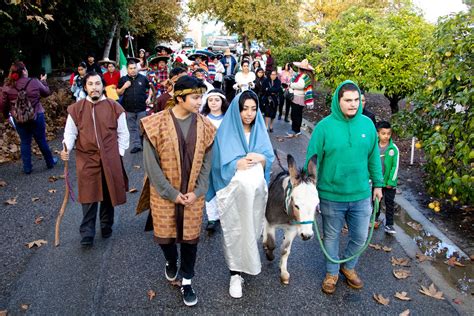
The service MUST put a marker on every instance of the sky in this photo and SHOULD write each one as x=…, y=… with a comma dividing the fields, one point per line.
x=432, y=9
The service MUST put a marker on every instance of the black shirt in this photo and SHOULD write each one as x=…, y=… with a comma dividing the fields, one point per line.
x=94, y=67
x=134, y=97
x=370, y=115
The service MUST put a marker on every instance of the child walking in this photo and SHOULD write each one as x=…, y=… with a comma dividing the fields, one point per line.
x=214, y=109
x=390, y=160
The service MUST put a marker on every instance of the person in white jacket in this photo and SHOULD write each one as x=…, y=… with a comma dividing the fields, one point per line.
x=244, y=79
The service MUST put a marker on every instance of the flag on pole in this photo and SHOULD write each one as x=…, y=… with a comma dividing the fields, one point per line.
x=122, y=63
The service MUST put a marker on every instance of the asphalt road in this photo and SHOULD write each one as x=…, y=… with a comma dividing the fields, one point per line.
x=114, y=276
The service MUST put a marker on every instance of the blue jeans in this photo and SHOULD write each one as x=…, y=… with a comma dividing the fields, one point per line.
x=133, y=124
x=334, y=214
x=35, y=129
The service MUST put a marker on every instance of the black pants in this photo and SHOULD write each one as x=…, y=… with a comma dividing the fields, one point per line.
x=287, y=109
x=281, y=101
x=89, y=210
x=229, y=89
x=296, y=117
x=389, y=200
x=188, y=257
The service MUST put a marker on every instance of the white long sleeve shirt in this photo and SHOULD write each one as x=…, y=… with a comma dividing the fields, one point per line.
x=71, y=132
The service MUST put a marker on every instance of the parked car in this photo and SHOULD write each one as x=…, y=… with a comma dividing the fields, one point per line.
x=188, y=43
x=219, y=45
x=232, y=45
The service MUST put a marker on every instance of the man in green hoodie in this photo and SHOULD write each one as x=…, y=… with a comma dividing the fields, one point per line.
x=348, y=156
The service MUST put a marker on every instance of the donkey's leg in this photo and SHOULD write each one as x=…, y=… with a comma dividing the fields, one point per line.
x=269, y=240
x=290, y=233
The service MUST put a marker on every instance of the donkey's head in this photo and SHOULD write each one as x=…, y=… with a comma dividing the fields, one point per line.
x=304, y=198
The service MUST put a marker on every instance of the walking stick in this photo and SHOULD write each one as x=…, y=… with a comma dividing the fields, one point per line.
x=65, y=199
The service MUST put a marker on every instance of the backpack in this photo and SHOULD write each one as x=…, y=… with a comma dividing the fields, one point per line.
x=22, y=110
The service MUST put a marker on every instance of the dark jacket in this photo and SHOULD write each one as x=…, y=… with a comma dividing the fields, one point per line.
x=233, y=64
x=370, y=115
x=134, y=97
x=94, y=67
x=272, y=91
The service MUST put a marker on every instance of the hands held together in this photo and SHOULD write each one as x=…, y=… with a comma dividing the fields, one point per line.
x=250, y=160
x=186, y=199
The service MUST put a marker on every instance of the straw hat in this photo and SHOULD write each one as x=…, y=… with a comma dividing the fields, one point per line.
x=227, y=52
x=304, y=64
x=107, y=61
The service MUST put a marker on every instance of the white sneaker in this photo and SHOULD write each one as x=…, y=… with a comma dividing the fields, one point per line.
x=235, y=287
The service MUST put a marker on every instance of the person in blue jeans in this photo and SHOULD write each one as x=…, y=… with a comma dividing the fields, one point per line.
x=35, y=89
x=348, y=156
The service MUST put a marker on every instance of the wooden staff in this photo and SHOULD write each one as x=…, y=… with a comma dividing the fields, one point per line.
x=63, y=206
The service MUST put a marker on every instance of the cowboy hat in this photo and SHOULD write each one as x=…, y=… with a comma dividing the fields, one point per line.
x=157, y=58
x=107, y=61
x=135, y=59
x=160, y=47
x=227, y=52
x=304, y=64
x=197, y=54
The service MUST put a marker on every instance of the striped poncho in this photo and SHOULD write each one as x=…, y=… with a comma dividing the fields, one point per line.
x=308, y=88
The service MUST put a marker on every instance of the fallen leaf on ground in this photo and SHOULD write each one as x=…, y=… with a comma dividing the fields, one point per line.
x=52, y=190
x=457, y=301
x=34, y=199
x=415, y=226
x=280, y=139
x=36, y=243
x=136, y=167
x=386, y=249
x=176, y=283
x=401, y=273
x=52, y=179
x=453, y=261
x=381, y=300
x=432, y=291
x=406, y=312
x=3, y=183
x=38, y=219
x=151, y=294
x=132, y=190
x=24, y=307
x=404, y=262
x=422, y=257
x=11, y=201
x=375, y=246
x=402, y=296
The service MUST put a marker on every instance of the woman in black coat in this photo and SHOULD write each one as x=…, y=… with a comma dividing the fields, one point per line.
x=258, y=88
x=271, y=98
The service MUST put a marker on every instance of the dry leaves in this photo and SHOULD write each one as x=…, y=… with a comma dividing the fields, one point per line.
x=280, y=139
x=24, y=307
x=53, y=179
x=176, y=283
x=457, y=301
x=36, y=243
x=401, y=273
x=432, y=291
x=133, y=190
x=453, y=261
x=375, y=246
x=402, y=296
x=422, y=257
x=52, y=190
x=386, y=249
x=415, y=226
x=404, y=262
x=381, y=300
x=136, y=167
x=38, y=219
x=11, y=201
x=151, y=294
x=3, y=183
x=406, y=312
x=35, y=199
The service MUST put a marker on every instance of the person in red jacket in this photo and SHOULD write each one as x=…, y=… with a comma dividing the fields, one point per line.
x=111, y=78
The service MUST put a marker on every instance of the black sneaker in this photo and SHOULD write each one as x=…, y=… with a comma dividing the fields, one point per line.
x=189, y=297
x=171, y=271
x=106, y=232
x=390, y=230
x=87, y=241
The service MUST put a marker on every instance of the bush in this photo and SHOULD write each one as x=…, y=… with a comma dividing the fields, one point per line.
x=285, y=54
x=442, y=117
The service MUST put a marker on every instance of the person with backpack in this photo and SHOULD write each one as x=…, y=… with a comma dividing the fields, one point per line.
x=21, y=97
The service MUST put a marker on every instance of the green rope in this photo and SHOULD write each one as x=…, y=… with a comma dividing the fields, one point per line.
x=361, y=250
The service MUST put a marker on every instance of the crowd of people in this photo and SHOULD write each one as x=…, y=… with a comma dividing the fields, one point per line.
x=204, y=132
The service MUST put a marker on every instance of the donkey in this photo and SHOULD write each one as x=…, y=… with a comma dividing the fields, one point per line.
x=292, y=203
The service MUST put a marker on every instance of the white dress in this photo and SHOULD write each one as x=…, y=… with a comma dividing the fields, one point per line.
x=245, y=81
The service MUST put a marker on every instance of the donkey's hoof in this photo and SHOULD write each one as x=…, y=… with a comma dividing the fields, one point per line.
x=270, y=256
x=285, y=278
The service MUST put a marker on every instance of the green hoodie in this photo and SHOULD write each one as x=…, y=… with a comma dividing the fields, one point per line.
x=348, y=155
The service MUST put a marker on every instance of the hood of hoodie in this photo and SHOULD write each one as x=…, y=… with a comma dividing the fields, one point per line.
x=336, y=107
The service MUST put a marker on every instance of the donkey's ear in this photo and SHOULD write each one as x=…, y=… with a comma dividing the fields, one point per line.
x=292, y=168
x=312, y=168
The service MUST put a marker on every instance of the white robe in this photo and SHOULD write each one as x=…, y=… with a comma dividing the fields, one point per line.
x=242, y=209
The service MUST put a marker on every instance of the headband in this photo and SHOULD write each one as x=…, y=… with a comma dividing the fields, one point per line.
x=213, y=94
x=178, y=93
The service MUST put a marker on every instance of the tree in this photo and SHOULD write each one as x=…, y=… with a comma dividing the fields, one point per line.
x=270, y=21
x=442, y=117
x=382, y=52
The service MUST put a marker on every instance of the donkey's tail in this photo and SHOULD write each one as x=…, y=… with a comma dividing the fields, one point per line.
x=278, y=160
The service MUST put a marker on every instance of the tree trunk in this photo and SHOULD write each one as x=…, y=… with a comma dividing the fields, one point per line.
x=117, y=46
x=393, y=102
x=245, y=41
x=109, y=41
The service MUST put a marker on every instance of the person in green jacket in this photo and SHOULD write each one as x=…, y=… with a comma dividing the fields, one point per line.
x=348, y=157
x=389, y=159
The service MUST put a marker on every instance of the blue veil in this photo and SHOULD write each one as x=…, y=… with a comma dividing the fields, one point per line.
x=230, y=145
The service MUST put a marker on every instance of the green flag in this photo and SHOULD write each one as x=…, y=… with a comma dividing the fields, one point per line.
x=122, y=63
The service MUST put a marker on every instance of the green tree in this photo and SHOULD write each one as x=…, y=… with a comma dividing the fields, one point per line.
x=273, y=22
x=442, y=117
x=379, y=50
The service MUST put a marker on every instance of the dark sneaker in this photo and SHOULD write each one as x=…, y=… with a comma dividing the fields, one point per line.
x=106, y=232
x=87, y=241
x=189, y=297
x=389, y=229
x=171, y=271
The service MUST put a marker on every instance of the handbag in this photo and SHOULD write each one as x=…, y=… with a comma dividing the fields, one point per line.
x=288, y=95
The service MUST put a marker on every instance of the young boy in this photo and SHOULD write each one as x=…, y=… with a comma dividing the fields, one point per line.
x=390, y=159
x=177, y=161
